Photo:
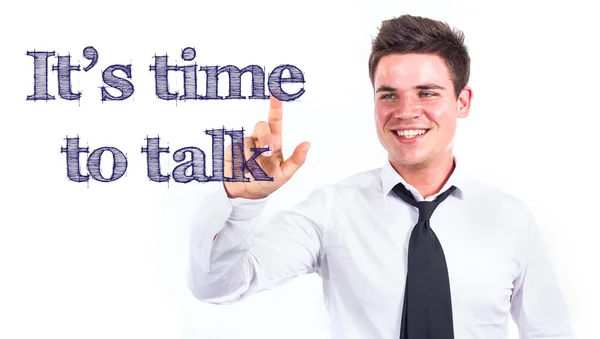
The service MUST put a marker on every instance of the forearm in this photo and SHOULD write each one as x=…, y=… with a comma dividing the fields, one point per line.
x=251, y=253
x=219, y=242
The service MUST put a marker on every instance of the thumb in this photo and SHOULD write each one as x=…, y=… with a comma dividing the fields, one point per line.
x=297, y=159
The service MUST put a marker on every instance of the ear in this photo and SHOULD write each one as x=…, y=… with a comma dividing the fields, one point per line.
x=463, y=102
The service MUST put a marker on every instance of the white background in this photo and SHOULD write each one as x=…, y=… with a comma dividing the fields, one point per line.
x=108, y=260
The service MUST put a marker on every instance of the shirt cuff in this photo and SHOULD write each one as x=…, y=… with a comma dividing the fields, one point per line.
x=242, y=208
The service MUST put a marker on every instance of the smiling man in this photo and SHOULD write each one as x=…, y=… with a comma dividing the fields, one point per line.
x=416, y=249
x=416, y=111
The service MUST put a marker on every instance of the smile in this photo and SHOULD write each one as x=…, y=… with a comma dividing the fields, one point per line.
x=411, y=133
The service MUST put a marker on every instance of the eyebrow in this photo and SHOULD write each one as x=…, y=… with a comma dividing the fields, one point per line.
x=419, y=87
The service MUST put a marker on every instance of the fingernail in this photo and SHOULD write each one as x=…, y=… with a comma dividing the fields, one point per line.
x=269, y=152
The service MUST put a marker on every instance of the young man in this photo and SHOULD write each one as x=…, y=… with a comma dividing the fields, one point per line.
x=416, y=249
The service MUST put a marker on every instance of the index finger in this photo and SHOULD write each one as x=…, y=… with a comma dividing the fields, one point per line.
x=275, y=116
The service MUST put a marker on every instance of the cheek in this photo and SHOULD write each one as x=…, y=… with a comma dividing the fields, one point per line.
x=382, y=115
x=440, y=114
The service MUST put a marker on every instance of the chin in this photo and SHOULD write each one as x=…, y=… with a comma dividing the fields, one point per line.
x=408, y=160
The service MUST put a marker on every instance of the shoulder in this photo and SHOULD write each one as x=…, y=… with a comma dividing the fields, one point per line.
x=361, y=185
x=496, y=201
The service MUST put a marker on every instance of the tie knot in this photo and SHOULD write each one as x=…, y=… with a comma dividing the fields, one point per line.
x=426, y=208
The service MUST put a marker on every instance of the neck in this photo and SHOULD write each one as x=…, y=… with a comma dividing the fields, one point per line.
x=428, y=179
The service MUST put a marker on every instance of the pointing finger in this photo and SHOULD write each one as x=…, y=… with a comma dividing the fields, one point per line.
x=275, y=116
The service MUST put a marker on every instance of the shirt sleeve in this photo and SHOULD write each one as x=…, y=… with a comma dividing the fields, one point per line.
x=236, y=252
x=538, y=307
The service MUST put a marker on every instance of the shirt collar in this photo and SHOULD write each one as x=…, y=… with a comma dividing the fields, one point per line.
x=390, y=178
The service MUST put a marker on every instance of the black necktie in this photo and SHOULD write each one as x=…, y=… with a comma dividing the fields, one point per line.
x=427, y=311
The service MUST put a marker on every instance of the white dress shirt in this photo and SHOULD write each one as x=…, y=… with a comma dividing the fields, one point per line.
x=354, y=234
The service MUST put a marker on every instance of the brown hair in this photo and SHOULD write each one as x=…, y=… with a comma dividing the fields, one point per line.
x=414, y=34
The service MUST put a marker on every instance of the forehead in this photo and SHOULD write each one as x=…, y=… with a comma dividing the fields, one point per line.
x=407, y=70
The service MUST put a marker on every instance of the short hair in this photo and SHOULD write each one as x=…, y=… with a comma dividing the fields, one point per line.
x=415, y=34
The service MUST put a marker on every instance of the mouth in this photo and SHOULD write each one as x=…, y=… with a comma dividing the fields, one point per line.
x=411, y=134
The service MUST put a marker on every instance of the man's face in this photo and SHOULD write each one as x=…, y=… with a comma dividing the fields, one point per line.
x=416, y=109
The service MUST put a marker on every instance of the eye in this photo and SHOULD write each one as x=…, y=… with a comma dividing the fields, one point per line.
x=427, y=94
x=388, y=96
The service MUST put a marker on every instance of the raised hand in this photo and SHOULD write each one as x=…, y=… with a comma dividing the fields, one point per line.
x=266, y=134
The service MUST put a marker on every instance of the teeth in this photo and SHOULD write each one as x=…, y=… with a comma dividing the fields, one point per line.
x=411, y=133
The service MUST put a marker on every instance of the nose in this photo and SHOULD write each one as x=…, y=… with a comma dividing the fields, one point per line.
x=408, y=108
